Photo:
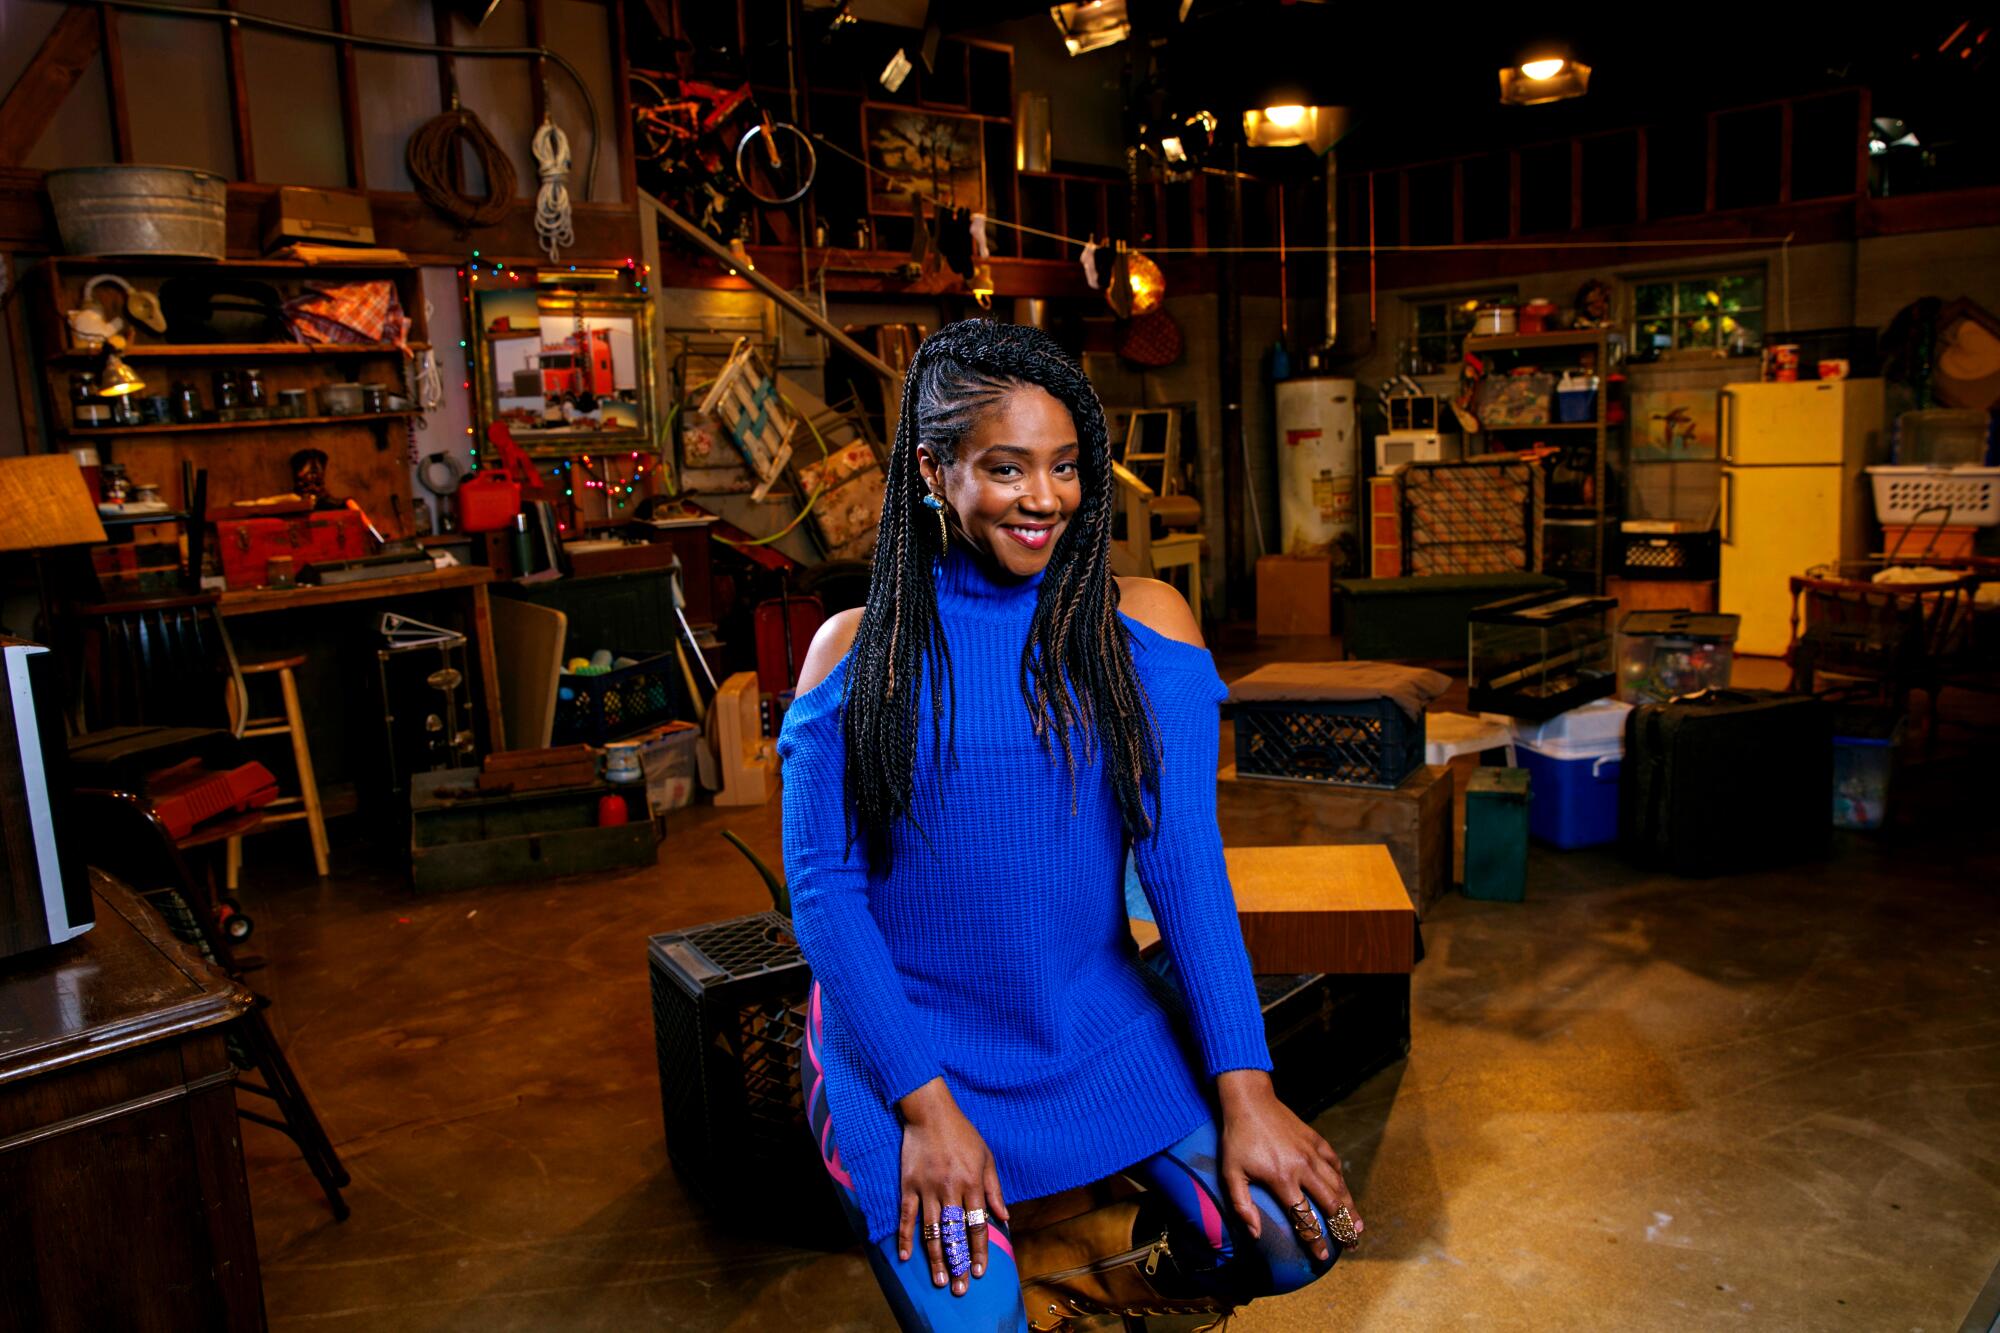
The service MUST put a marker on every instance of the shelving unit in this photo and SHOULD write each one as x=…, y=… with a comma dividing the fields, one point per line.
x=1506, y=351
x=244, y=458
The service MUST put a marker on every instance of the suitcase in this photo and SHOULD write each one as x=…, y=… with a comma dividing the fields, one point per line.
x=1727, y=780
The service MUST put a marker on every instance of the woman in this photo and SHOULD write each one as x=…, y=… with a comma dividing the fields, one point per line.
x=969, y=758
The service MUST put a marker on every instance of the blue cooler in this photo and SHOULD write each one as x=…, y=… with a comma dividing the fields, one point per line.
x=1576, y=790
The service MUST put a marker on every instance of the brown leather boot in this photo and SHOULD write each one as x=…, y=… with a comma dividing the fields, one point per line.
x=1093, y=1264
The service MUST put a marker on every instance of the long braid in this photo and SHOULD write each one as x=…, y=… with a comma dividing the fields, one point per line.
x=1077, y=677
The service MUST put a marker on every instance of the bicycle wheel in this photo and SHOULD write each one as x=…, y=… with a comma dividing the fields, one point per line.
x=776, y=163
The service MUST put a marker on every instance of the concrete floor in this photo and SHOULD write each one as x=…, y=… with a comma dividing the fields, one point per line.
x=1634, y=1102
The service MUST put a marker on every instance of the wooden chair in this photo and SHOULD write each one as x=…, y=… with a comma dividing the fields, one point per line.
x=1143, y=555
x=131, y=842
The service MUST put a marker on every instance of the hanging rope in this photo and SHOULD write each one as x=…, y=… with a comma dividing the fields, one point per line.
x=431, y=154
x=552, y=216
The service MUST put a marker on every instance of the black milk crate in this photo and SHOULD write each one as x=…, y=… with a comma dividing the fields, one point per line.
x=1695, y=556
x=1328, y=1033
x=622, y=701
x=729, y=1020
x=1349, y=743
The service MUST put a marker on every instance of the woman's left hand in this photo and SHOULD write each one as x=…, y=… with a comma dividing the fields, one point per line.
x=1262, y=1141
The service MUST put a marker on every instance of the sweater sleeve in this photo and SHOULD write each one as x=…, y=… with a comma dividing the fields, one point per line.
x=1182, y=871
x=828, y=883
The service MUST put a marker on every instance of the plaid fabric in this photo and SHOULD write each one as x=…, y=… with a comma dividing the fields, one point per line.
x=354, y=312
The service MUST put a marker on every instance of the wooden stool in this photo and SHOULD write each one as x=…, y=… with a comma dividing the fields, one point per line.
x=306, y=804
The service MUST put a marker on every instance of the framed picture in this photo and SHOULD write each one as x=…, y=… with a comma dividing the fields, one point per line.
x=1673, y=425
x=568, y=373
x=922, y=153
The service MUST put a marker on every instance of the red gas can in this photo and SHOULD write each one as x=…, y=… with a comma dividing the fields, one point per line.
x=487, y=502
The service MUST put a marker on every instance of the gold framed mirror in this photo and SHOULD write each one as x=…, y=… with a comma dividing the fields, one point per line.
x=569, y=372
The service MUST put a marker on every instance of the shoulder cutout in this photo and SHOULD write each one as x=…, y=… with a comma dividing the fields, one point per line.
x=829, y=647
x=1159, y=607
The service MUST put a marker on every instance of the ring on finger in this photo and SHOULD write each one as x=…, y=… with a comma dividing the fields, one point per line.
x=1343, y=1226
x=930, y=1231
x=975, y=1217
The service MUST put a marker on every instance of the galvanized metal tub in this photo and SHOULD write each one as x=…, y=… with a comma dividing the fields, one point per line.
x=139, y=210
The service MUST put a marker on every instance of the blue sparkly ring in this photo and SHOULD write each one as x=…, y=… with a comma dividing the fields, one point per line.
x=957, y=1254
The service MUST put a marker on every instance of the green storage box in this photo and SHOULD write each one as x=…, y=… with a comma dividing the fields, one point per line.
x=460, y=840
x=1496, y=835
x=1422, y=619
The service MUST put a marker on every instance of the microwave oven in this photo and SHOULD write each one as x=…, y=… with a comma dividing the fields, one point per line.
x=44, y=888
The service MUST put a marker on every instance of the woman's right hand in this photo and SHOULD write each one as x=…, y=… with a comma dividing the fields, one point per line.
x=945, y=1161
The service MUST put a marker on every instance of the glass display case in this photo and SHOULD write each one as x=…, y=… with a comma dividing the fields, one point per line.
x=1662, y=654
x=1540, y=654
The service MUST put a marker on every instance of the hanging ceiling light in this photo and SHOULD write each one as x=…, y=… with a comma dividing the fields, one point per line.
x=117, y=378
x=982, y=284
x=1290, y=124
x=1545, y=72
x=1137, y=286
x=1091, y=25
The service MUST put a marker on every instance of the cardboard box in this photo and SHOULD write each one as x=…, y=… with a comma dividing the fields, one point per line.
x=1294, y=595
x=1661, y=594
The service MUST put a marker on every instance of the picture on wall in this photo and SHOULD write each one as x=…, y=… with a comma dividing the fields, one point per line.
x=1673, y=424
x=922, y=154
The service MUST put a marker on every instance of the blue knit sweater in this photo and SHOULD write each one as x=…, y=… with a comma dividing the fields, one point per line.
x=995, y=950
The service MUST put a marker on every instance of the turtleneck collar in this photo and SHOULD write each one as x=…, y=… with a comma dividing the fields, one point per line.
x=970, y=580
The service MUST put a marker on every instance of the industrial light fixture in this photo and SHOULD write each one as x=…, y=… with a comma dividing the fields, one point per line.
x=1546, y=72
x=1289, y=124
x=117, y=378
x=1091, y=25
x=1888, y=132
x=1136, y=287
x=896, y=71
x=1173, y=149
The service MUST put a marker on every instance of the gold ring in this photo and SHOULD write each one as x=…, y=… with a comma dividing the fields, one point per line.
x=1343, y=1226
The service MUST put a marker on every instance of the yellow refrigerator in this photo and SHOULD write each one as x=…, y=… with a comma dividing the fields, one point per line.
x=1794, y=493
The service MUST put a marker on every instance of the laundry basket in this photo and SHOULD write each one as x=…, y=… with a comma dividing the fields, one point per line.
x=1907, y=494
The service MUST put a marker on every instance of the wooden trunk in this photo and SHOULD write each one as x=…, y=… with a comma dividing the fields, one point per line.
x=460, y=841
x=1661, y=594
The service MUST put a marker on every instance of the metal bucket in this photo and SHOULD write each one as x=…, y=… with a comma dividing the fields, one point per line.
x=135, y=210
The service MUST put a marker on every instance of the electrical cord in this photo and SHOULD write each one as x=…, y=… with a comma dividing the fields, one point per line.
x=431, y=154
x=552, y=215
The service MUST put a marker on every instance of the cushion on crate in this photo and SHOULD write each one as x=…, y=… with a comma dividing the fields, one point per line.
x=1412, y=688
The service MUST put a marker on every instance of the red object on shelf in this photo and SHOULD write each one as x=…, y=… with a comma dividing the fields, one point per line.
x=612, y=810
x=187, y=795
x=488, y=502
x=248, y=545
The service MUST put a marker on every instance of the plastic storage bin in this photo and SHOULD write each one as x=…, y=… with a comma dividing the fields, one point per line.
x=1496, y=834
x=1354, y=743
x=1864, y=760
x=1600, y=722
x=1662, y=654
x=1576, y=791
x=1645, y=550
x=1942, y=437
x=666, y=754
x=1536, y=656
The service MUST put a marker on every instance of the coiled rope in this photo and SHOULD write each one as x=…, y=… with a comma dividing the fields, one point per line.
x=552, y=217
x=433, y=149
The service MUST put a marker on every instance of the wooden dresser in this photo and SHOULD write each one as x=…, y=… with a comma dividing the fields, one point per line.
x=123, y=1201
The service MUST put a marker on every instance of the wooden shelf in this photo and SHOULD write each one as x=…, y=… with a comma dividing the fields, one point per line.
x=1547, y=425
x=268, y=423
x=1507, y=341
x=239, y=351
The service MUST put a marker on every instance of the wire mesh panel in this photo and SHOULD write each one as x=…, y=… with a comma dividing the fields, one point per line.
x=1472, y=518
x=1355, y=743
x=729, y=1020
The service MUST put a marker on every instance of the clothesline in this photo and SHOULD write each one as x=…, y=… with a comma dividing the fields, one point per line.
x=1463, y=247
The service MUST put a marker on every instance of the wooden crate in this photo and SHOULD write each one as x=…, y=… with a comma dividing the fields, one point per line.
x=1661, y=594
x=1414, y=822
x=460, y=839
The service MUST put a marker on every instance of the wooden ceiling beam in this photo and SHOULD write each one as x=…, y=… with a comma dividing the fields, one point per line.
x=38, y=94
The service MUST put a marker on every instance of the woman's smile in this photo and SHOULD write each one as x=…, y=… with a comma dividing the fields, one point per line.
x=1015, y=482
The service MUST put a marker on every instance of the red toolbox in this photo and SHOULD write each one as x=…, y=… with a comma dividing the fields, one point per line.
x=247, y=545
x=188, y=794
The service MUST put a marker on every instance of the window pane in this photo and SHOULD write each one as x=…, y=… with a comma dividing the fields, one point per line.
x=1687, y=334
x=1653, y=298
x=1697, y=296
x=1742, y=334
x=1741, y=292
x=1435, y=348
x=1654, y=338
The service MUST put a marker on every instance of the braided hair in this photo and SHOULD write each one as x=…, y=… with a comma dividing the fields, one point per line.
x=1077, y=677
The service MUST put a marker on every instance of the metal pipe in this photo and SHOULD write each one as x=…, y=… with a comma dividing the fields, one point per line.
x=1332, y=253
x=237, y=17
x=717, y=250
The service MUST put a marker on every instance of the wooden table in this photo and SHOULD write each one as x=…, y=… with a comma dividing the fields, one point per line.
x=123, y=1200
x=472, y=580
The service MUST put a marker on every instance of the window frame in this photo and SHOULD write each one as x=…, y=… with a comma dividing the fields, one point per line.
x=1674, y=281
x=1450, y=303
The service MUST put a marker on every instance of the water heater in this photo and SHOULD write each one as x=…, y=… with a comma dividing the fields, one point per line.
x=1316, y=483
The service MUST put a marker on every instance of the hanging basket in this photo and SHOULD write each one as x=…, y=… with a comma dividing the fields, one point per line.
x=1151, y=340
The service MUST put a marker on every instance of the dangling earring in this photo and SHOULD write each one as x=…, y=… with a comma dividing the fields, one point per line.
x=937, y=507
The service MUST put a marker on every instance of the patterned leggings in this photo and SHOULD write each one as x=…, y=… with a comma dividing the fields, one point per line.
x=1184, y=1195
